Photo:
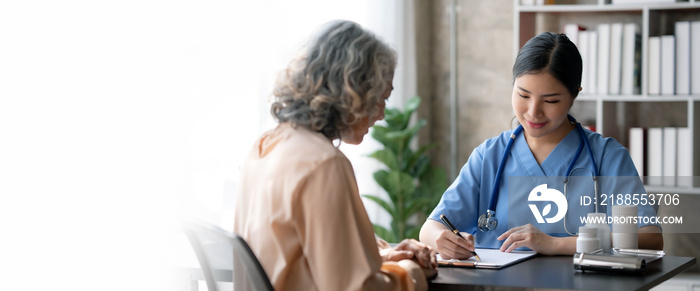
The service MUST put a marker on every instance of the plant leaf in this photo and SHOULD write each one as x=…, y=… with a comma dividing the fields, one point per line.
x=383, y=203
x=398, y=122
x=387, y=157
x=413, y=157
x=412, y=104
x=422, y=165
x=401, y=183
x=386, y=137
x=391, y=114
x=416, y=127
x=384, y=180
x=413, y=232
x=415, y=206
x=384, y=233
x=434, y=181
x=404, y=136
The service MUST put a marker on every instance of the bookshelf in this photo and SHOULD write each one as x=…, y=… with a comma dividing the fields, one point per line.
x=614, y=114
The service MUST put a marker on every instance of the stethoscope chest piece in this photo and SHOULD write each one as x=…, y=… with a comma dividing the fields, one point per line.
x=488, y=221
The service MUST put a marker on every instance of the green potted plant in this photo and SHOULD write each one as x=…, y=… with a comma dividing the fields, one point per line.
x=414, y=186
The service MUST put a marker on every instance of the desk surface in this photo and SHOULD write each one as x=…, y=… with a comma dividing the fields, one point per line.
x=557, y=272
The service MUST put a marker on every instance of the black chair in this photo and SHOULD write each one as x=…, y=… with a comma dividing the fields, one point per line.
x=221, y=253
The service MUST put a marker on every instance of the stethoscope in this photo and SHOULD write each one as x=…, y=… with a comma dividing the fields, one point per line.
x=488, y=221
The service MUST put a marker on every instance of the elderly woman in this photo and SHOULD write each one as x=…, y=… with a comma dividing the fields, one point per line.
x=298, y=204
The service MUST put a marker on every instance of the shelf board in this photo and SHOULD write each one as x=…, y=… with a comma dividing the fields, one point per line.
x=639, y=98
x=678, y=5
x=580, y=8
x=607, y=7
x=671, y=190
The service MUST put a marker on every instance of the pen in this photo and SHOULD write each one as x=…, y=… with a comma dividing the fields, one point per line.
x=453, y=229
x=640, y=252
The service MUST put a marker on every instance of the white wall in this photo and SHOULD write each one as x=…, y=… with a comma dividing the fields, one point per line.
x=117, y=117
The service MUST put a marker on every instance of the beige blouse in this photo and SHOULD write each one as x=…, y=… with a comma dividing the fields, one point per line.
x=299, y=209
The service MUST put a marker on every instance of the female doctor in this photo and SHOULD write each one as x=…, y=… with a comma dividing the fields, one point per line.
x=546, y=81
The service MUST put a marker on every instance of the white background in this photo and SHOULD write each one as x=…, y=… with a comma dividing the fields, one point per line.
x=119, y=117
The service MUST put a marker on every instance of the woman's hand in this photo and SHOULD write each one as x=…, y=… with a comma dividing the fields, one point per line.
x=411, y=249
x=451, y=246
x=530, y=237
x=421, y=275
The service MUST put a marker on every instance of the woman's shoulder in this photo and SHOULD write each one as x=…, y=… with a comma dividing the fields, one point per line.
x=612, y=157
x=497, y=142
x=301, y=145
x=597, y=140
x=312, y=143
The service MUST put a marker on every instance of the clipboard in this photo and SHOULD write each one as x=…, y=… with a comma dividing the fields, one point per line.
x=490, y=259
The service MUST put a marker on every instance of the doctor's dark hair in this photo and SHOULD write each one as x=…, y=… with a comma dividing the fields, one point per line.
x=337, y=79
x=552, y=53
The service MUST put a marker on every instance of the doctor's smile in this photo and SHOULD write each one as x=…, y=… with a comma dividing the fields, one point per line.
x=536, y=125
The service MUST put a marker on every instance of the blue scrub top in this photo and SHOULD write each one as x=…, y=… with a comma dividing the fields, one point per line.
x=470, y=194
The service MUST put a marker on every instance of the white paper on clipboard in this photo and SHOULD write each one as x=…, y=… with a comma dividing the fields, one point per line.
x=490, y=259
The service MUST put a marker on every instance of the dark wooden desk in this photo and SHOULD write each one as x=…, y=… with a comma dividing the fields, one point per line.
x=557, y=272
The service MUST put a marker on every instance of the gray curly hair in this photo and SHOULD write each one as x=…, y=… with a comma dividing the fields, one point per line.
x=337, y=79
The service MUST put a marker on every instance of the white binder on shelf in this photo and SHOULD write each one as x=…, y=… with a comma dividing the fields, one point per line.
x=695, y=57
x=592, y=62
x=670, y=157
x=654, y=74
x=603, y=58
x=668, y=64
x=626, y=2
x=685, y=158
x=615, y=58
x=573, y=32
x=655, y=154
x=636, y=148
x=682, y=35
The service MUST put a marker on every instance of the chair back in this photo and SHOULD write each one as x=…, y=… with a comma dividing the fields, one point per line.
x=255, y=275
x=225, y=257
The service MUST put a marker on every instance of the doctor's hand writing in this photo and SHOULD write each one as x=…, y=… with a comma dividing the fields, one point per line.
x=451, y=246
x=447, y=244
x=533, y=238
